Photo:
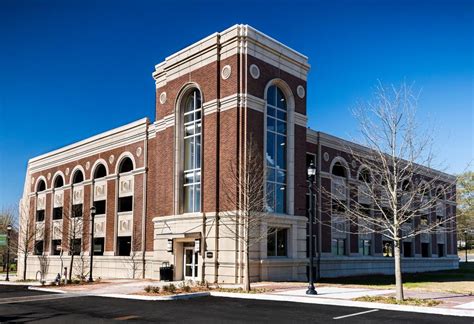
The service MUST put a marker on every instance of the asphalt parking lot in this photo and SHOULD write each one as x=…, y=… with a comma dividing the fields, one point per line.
x=17, y=304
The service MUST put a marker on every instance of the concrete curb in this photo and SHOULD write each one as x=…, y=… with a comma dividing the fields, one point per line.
x=51, y=290
x=348, y=303
x=156, y=298
x=124, y=296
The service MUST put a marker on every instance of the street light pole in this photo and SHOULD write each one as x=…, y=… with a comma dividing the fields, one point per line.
x=9, y=229
x=311, y=173
x=465, y=243
x=92, y=242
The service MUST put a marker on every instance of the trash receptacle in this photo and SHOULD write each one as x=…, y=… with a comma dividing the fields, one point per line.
x=166, y=272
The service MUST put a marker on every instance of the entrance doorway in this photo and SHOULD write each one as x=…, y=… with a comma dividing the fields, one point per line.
x=190, y=264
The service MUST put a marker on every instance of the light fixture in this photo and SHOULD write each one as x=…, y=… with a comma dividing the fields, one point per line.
x=197, y=245
x=169, y=246
x=93, y=210
x=311, y=170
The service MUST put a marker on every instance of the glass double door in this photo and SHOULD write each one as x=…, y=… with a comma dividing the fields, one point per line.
x=190, y=264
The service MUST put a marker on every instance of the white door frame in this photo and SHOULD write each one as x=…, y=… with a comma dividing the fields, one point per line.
x=193, y=264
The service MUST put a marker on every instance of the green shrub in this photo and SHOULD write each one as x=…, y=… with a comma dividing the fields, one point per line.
x=147, y=289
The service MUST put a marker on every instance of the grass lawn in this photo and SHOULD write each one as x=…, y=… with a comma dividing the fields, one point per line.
x=454, y=281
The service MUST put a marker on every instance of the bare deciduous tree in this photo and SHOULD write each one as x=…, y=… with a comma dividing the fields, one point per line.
x=397, y=190
x=465, y=207
x=27, y=234
x=8, y=217
x=72, y=237
x=247, y=180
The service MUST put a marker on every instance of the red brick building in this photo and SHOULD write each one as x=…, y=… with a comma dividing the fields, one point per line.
x=158, y=187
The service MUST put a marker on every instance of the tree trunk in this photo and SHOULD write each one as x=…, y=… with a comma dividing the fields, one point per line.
x=70, y=266
x=247, y=269
x=398, y=272
x=24, y=266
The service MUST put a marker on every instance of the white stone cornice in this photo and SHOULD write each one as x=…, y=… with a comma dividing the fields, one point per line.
x=115, y=138
x=230, y=43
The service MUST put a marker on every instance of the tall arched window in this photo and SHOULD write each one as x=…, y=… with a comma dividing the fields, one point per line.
x=58, y=207
x=40, y=201
x=100, y=203
x=125, y=205
x=77, y=207
x=276, y=132
x=192, y=151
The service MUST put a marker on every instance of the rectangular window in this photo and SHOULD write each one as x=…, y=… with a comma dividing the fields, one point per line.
x=77, y=210
x=39, y=247
x=407, y=252
x=440, y=250
x=56, y=247
x=338, y=246
x=75, y=247
x=365, y=247
x=58, y=213
x=124, y=245
x=425, y=250
x=99, y=246
x=338, y=207
x=387, y=248
x=99, y=207
x=424, y=220
x=125, y=204
x=40, y=215
x=277, y=242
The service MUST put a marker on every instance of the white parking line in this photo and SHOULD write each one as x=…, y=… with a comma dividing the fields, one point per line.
x=355, y=314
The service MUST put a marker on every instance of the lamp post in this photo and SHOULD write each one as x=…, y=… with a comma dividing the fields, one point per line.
x=9, y=229
x=311, y=174
x=92, y=241
x=465, y=243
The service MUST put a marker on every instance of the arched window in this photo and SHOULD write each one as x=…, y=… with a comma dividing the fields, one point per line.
x=364, y=176
x=58, y=182
x=338, y=170
x=78, y=177
x=40, y=201
x=125, y=166
x=192, y=127
x=41, y=186
x=276, y=132
x=125, y=204
x=58, y=207
x=101, y=172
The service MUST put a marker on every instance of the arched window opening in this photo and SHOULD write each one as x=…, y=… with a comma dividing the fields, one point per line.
x=364, y=176
x=276, y=159
x=57, y=210
x=406, y=185
x=100, y=171
x=99, y=203
x=58, y=182
x=77, y=209
x=126, y=165
x=192, y=128
x=78, y=177
x=41, y=186
x=40, y=201
x=338, y=170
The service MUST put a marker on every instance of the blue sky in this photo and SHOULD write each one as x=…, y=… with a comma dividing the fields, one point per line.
x=72, y=69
